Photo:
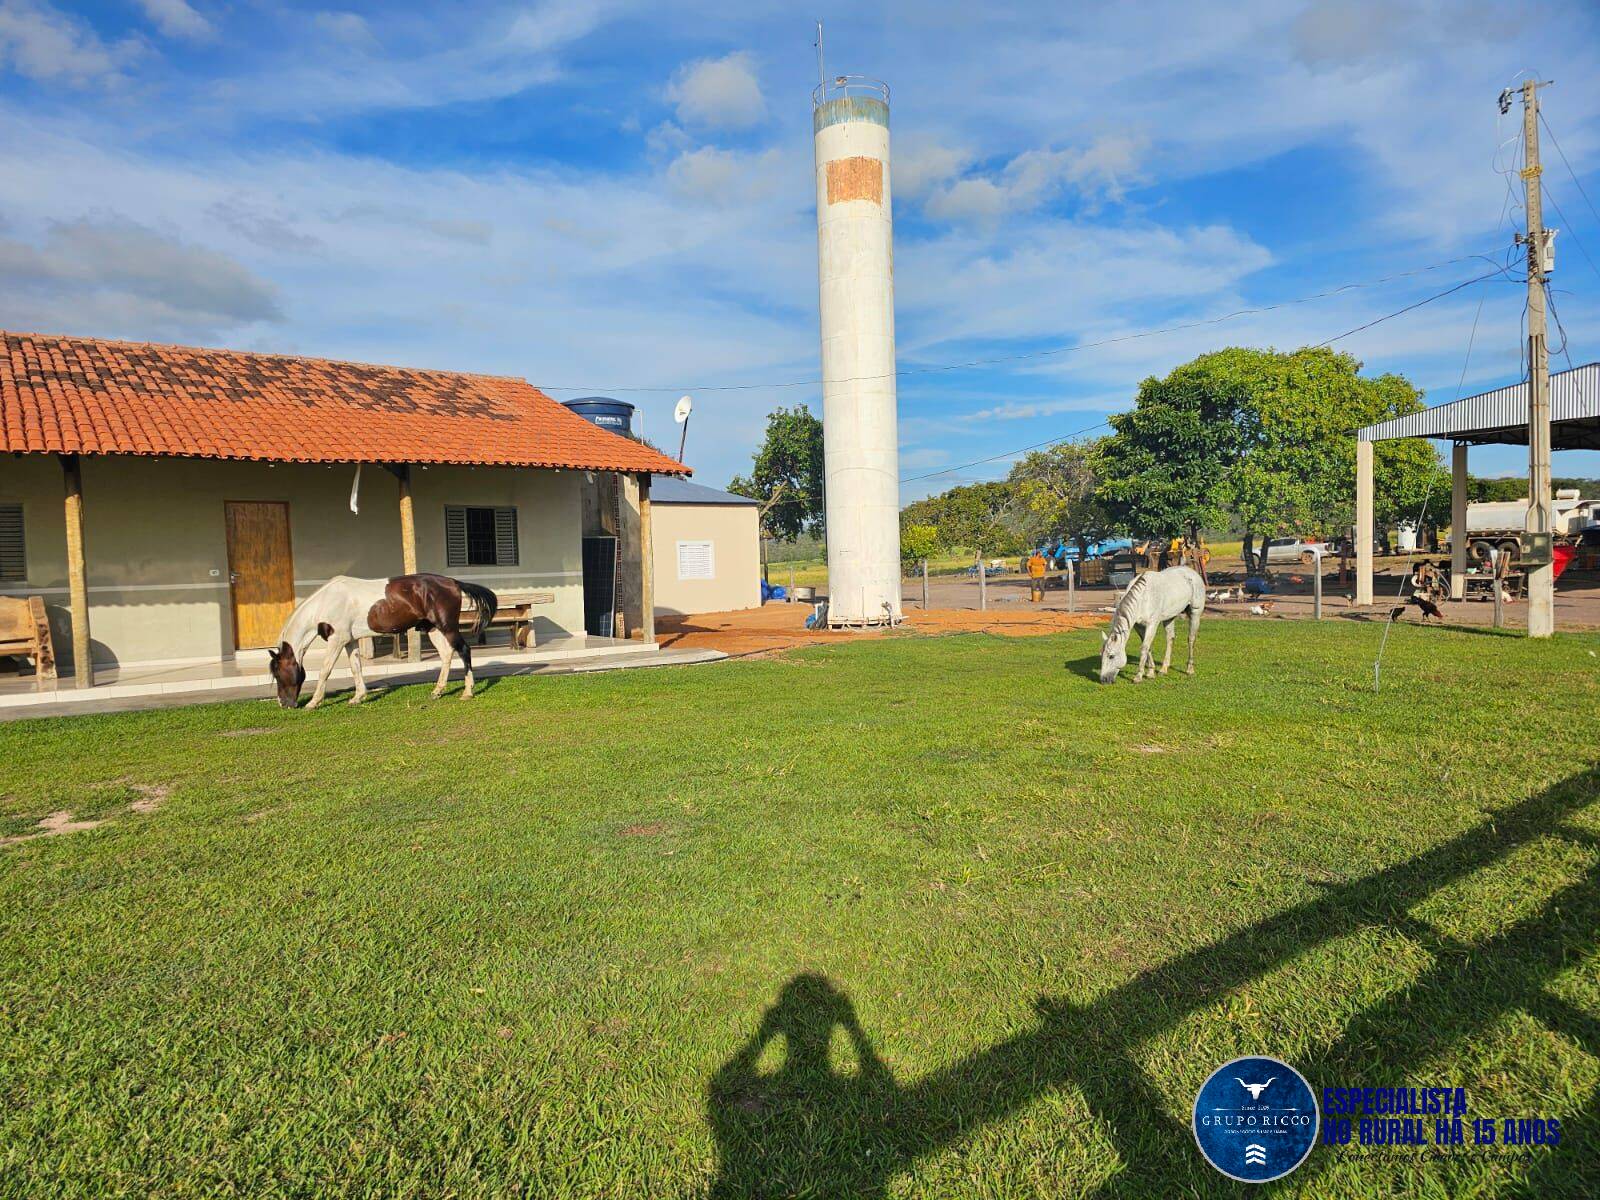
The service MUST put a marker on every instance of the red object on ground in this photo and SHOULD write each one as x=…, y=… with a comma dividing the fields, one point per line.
x=1560, y=556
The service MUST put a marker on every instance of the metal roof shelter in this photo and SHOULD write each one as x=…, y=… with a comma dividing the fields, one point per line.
x=1499, y=417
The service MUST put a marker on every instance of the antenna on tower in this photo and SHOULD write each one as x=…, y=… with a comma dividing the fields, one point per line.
x=822, y=76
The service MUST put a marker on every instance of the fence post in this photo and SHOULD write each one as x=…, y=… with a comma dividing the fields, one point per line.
x=924, y=585
x=1316, y=586
x=791, y=583
x=1072, y=591
x=1498, y=584
x=983, y=586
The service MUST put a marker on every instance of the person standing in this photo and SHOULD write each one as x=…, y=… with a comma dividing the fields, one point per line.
x=1036, y=570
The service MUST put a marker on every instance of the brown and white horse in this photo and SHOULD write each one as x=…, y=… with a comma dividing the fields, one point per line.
x=344, y=610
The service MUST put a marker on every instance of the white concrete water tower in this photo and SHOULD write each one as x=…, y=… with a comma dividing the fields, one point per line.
x=855, y=267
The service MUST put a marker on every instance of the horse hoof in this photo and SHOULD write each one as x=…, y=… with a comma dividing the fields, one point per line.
x=312, y=705
x=1188, y=670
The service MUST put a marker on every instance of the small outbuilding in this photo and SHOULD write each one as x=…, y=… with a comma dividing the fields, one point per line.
x=707, y=548
x=171, y=505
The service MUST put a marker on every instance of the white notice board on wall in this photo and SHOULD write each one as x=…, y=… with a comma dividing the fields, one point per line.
x=696, y=560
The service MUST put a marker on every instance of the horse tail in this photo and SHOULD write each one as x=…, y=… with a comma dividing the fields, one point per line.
x=485, y=601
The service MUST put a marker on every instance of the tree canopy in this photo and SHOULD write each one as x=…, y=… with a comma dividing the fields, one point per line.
x=787, y=474
x=1263, y=439
x=978, y=516
x=1057, y=493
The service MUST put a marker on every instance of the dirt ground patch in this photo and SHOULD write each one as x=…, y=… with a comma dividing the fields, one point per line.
x=782, y=627
x=52, y=825
x=151, y=797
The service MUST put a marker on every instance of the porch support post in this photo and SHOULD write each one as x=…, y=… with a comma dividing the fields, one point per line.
x=647, y=562
x=633, y=568
x=1363, y=522
x=1458, y=521
x=408, y=548
x=77, y=574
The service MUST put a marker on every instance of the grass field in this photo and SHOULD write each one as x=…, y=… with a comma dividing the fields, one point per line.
x=907, y=917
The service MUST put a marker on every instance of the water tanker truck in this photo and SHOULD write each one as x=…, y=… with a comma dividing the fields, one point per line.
x=1503, y=524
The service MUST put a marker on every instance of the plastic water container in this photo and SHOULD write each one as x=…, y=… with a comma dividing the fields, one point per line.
x=1408, y=538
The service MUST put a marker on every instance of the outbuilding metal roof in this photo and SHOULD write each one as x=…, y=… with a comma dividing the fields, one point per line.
x=69, y=395
x=1501, y=416
x=666, y=489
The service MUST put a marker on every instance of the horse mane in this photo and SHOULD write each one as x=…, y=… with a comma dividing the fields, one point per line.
x=1122, y=616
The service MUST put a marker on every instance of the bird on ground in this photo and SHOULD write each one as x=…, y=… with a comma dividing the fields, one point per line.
x=1396, y=613
x=1264, y=609
x=1428, y=607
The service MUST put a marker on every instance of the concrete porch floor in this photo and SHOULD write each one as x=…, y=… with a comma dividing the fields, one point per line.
x=129, y=688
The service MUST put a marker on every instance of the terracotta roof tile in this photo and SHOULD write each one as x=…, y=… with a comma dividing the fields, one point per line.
x=83, y=395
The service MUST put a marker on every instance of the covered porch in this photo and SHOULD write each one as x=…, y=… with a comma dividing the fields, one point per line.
x=130, y=688
x=1499, y=417
x=170, y=507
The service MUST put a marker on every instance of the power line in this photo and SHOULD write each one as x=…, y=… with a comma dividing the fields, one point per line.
x=1571, y=232
x=1091, y=428
x=1568, y=166
x=1411, y=307
x=938, y=368
x=1007, y=453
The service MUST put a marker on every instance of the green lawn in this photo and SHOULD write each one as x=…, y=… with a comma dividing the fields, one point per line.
x=908, y=917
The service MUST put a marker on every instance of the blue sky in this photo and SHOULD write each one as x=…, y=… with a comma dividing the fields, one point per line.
x=598, y=196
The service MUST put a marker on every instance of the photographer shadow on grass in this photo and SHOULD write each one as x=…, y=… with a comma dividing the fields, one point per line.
x=816, y=1125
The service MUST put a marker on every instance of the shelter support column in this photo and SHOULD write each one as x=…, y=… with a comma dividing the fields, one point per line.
x=1458, y=521
x=1363, y=522
x=647, y=559
x=77, y=572
x=408, y=548
x=633, y=568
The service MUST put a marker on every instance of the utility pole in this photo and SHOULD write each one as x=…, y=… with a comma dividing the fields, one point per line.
x=1541, y=572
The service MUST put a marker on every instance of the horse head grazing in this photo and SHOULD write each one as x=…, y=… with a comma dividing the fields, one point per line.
x=1113, y=654
x=287, y=673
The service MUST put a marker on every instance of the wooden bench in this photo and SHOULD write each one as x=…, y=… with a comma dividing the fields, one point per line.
x=25, y=632
x=515, y=610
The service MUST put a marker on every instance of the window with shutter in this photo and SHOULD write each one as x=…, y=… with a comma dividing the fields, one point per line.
x=477, y=536
x=455, y=535
x=13, y=559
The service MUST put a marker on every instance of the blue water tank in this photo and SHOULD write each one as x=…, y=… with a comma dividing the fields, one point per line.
x=615, y=416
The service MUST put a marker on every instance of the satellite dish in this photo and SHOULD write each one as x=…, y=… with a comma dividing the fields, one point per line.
x=685, y=406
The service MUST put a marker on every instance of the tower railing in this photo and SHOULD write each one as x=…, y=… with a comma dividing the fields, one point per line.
x=841, y=86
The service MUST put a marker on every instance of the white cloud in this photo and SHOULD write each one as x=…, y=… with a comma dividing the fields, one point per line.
x=177, y=19
x=44, y=44
x=714, y=176
x=115, y=276
x=1100, y=170
x=721, y=93
x=922, y=164
x=348, y=27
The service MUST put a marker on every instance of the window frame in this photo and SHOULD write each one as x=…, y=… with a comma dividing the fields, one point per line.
x=507, y=535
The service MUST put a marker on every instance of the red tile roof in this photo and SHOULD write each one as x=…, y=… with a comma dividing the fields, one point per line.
x=86, y=396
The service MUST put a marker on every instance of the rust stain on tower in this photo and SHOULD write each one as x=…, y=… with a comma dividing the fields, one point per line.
x=855, y=179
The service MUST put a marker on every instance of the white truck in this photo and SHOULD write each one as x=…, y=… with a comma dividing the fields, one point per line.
x=1501, y=524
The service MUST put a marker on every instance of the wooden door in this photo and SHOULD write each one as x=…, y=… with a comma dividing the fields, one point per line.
x=260, y=570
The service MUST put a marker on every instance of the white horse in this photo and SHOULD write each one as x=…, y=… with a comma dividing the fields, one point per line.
x=1154, y=598
x=345, y=610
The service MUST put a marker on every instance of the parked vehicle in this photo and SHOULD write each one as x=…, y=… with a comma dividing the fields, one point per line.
x=1502, y=524
x=1288, y=549
x=1059, y=553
